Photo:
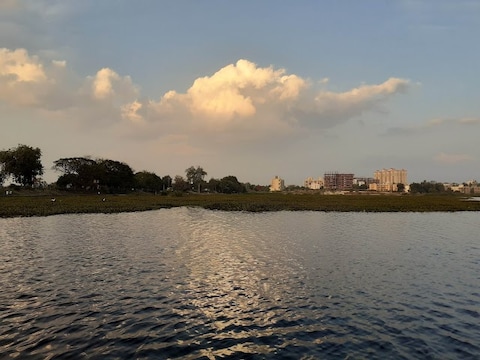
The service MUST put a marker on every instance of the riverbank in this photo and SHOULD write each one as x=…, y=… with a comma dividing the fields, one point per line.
x=43, y=205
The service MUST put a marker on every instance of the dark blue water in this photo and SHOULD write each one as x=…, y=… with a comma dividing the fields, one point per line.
x=196, y=284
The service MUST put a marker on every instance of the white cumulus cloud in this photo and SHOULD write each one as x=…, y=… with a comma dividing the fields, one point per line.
x=245, y=98
x=236, y=91
x=22, y=77
x=18, y=66
x=107, y=83
x=131, y=111
x=102, y=86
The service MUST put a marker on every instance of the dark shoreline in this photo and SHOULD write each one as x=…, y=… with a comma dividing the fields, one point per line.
x=44, y=205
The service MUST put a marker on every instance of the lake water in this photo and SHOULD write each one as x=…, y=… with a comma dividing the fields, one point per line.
x=195, y=284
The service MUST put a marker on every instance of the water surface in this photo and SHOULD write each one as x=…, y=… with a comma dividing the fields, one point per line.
x=192, y=283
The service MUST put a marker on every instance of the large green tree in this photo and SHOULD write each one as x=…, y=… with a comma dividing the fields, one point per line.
x=79, y=173
x=213, y=185
x=22, y=163
x=230, y=185
x=116, y=176
x=180, y=184
x=83, y=173
x=148, y=181
x=195, y=176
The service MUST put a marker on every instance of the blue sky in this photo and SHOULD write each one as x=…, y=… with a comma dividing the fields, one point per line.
x=247, y=88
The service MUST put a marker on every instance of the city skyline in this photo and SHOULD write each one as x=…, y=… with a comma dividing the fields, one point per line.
x=245, y=88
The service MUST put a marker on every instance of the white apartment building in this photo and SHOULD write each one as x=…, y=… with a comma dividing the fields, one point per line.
x=388, y=179
x=313, y=184
x=277, y=184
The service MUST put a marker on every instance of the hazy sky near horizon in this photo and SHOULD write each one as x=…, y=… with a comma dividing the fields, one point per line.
x=246, y=88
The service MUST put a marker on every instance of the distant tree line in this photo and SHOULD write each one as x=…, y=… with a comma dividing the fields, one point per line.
x=23, y=166
x=194, y=181
x=84, y=174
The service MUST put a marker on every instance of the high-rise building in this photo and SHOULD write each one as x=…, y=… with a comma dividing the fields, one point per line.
x=277, y=184
x=338, y=182
x=388, y=179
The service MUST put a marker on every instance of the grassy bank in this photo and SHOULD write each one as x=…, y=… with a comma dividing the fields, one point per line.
x=42, y=205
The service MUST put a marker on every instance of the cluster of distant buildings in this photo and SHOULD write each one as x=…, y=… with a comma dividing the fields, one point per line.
x=469, y=187
x=385, y=180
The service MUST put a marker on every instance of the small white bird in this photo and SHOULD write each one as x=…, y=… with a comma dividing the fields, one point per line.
x=53, y=200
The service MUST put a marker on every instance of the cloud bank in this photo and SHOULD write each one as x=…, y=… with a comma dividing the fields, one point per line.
x=241, y=101
x=450, y=159
x=432, y=125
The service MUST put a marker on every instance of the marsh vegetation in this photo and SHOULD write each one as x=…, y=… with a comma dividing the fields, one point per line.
x=38, y=204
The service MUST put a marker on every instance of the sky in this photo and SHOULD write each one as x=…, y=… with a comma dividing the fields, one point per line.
x=247, y=88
